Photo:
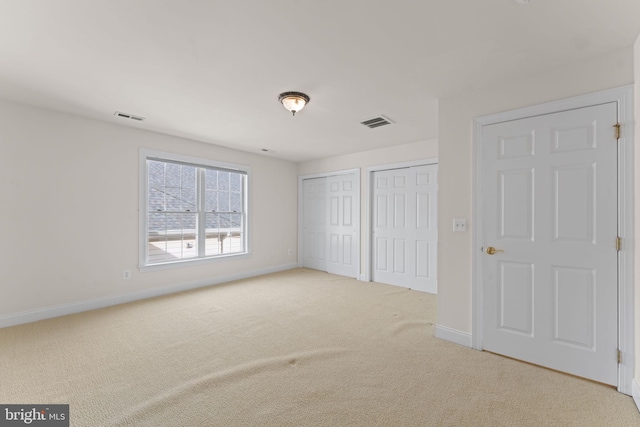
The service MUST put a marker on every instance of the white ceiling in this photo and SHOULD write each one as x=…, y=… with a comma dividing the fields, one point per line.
x=212, y=70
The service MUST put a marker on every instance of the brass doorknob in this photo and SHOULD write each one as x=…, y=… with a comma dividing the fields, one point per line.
x=491, y=250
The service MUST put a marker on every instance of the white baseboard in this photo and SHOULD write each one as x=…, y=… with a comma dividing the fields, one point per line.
x=78, y=307
x=453, y=335
x=635, y=392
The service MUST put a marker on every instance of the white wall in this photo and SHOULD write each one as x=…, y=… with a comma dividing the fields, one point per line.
x=69, y=217
x=636, y=111
x=397, y=154
x=455, y=158
x=383, y=156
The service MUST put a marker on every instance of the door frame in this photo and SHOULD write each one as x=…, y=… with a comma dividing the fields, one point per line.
x=368, y=194
x=623, y=96
x=301, y=179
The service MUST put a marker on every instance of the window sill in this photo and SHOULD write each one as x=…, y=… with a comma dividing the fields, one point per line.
x=192, y=262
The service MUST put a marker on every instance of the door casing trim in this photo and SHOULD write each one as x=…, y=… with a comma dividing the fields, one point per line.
x=623, y=96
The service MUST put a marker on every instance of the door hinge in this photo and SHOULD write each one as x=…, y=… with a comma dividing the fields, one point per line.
x=618, y=243
x=619, y=356
x=617, y=127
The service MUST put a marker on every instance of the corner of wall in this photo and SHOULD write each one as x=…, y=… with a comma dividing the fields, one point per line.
x=636, y=167
x=635, y=393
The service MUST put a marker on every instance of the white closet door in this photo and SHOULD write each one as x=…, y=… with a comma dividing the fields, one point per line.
x=315, y=223
x=331, y=220
x=405, y=227
x=344, y=221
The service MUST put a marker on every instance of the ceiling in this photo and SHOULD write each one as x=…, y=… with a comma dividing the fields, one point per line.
x=212, y=70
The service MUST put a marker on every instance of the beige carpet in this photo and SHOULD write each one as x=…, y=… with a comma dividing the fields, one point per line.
x=298, y=348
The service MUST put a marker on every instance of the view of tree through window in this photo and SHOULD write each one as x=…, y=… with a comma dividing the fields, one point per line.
x=193, y=211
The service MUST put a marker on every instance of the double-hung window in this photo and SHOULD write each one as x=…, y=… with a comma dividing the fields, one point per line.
x=193, y=209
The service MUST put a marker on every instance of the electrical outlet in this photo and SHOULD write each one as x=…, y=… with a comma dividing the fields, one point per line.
x=126, y=274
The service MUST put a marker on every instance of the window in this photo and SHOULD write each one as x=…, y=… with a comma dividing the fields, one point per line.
x=193, y=209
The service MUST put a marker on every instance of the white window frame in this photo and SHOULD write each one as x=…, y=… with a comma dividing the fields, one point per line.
x=149, y=154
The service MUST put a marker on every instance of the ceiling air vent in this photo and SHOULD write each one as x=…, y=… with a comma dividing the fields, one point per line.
x=376, y=122
x=128, y=116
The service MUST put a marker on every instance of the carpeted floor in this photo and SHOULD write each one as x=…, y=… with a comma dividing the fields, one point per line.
x=298, y=348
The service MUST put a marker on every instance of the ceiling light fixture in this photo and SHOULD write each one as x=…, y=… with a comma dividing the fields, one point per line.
x=293, y=101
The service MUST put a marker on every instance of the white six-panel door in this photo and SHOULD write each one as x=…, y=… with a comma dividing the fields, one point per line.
x=550, y=213
x=331, y=220
x=344, y=222
x=405, y=227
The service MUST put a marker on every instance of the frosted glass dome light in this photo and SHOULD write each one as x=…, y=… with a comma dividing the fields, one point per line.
x=293, y=101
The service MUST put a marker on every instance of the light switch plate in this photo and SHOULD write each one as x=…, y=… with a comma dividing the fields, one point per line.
x=459, y=224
